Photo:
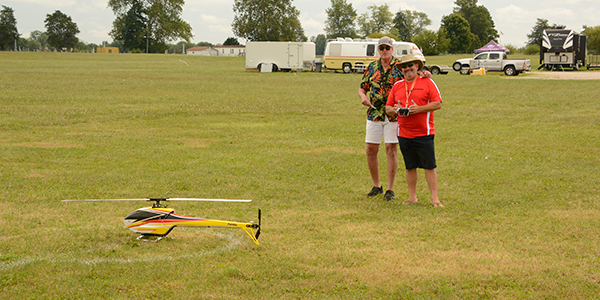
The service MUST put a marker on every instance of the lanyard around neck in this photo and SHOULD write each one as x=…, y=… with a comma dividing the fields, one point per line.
x=411, y=89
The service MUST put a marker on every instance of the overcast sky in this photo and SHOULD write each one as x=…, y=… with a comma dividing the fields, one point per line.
x=211, y=19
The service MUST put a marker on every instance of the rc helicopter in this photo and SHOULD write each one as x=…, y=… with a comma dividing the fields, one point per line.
x=158, y=221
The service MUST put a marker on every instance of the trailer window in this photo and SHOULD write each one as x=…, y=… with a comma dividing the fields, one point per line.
x=404, y=52
x=370, y=50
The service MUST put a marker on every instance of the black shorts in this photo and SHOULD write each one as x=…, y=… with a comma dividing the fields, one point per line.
x=418, y=152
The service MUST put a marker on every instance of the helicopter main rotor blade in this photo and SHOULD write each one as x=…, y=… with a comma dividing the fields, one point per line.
x=209, y=200
x=159, y=199
x=102, y=200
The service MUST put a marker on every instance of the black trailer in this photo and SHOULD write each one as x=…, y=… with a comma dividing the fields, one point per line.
x=563, y=48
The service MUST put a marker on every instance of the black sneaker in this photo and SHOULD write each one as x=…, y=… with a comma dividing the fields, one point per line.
x=389, y=195
x=375, y=191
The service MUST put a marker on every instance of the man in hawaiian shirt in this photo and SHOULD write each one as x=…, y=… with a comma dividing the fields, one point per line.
x=377, y=82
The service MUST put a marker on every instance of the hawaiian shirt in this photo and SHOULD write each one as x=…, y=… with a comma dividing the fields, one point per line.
x=378, y=84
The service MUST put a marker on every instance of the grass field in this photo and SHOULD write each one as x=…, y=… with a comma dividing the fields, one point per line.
x=518, y=165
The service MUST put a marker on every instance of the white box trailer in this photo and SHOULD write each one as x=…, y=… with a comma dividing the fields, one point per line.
x=280, y=55
x=355, y=55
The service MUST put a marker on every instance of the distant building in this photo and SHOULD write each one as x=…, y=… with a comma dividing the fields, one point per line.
x=207, y=51
x=231, y=50
x=107, y=49
x=236, y=50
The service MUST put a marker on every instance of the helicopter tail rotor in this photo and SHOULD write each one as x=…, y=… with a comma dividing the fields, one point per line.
x=258, y=229
x=249, y=229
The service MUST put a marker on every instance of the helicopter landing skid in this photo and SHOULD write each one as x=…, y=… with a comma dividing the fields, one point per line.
x=151, y=238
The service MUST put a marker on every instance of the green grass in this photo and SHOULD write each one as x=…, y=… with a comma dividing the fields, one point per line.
x=518, y=170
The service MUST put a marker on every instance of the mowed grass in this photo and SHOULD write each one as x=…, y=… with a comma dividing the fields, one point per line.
x=518, y=171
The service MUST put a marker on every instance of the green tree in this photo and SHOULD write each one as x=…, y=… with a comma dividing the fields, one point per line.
x=379, y=19
x=178, y=48
x=231, y=41
x=130, y=28
x=320, y=43
x=593, y=38
x=61, y=31
x=8, y=28
x=458, y=32
x=267, y=20
x=40, y=37
x=535, y=37
x=480, y=22
x=410, y=23
x=30, y=44
x=431, y=42
x=530, y=49
x=340, y=20
x=161, y=21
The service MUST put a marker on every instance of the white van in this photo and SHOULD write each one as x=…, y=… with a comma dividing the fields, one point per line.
x=355, y=55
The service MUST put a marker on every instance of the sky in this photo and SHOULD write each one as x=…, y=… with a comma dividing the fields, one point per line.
x=211, y=19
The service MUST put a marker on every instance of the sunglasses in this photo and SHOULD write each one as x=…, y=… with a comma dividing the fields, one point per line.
x=408, y=65
x=384, y=47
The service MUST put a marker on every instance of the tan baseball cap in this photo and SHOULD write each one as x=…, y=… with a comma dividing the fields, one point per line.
x=386, y=41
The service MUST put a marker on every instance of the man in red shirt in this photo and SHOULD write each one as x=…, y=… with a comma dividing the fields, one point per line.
x=414, y=101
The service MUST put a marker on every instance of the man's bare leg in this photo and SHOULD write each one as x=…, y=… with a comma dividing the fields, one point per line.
x=411, y=180
x=372, y=150
x=432, y=182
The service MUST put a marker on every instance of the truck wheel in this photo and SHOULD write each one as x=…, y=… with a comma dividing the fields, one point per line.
x=456, y=66
x=347, y=68
x=465, y=71
x=435, y=71
x=510, y=71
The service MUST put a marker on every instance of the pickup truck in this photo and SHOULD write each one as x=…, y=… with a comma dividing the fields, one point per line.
x=493, y=61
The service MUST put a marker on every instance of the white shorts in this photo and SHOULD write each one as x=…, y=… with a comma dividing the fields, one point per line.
x=385, y=130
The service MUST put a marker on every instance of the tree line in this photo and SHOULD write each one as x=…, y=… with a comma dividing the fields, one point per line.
x=468, y=27
x=152, y=25
x=140, y=26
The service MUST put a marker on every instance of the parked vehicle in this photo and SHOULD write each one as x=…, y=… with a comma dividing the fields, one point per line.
x=280, y=55
x=351, y=55
x=493, y=61
x=562, y=48
x=437, y=69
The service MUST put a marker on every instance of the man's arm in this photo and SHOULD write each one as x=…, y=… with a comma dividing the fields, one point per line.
x=390, y=110
x=364, y=99
x=415, y=109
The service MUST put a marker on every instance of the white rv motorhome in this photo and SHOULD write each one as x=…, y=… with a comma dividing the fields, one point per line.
x=280, y=55
x=562, y=48
x=351, y=55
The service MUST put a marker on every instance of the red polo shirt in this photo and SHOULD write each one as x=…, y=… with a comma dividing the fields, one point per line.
x=424, y=92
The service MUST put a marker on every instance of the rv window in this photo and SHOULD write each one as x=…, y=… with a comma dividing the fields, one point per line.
x=494, y=55
x=404, y=52
x=370, y=50
x=335, y=49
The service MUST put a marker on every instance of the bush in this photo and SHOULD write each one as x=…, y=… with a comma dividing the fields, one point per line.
x=513, y=49
x=530, y=49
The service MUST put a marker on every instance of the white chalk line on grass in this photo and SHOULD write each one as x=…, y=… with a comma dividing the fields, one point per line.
x=233, y=242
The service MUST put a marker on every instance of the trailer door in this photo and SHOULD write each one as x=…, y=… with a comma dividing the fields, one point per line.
x=294, y=55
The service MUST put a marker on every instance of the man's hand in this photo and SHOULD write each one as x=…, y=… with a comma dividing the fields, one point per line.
x=426, y=74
